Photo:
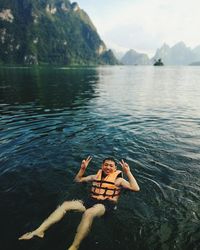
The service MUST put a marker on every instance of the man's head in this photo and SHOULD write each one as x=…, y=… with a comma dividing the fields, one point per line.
x=109, y=165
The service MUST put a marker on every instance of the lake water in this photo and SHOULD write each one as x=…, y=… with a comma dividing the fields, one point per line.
x=53, y=118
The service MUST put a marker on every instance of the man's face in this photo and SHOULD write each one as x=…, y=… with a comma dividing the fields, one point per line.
x=108, y=167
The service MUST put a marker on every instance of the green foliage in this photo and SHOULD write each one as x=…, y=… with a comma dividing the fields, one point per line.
x=65, y=37
x=109, y=58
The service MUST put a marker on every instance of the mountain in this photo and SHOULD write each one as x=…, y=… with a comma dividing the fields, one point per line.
x=134, y=58
x=118, y=54
x=179, y=54
x=196, y=53
x=49, y=32
x=195, y=64
x=164, y=53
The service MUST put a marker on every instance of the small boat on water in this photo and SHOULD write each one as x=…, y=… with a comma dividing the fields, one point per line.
x=158, y=62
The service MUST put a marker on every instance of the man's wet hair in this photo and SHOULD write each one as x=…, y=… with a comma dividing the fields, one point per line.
x=109, y=159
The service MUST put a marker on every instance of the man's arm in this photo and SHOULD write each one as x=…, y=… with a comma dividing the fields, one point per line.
x=131, y=184
x=79, y=177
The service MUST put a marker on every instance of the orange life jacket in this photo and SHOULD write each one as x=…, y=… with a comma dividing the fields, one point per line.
x=103, y=189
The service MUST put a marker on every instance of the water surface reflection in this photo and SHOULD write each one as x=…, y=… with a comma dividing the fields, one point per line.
x=52, y=118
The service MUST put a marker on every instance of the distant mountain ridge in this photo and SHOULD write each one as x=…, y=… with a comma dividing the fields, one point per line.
x=179, y=54
x=132, y=57
x=49, y=32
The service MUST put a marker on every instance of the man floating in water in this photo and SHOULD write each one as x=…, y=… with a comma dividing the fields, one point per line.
x=105, y=191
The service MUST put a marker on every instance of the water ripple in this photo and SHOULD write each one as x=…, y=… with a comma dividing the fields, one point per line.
x=147, y=116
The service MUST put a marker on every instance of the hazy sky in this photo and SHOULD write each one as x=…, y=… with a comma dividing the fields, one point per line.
x=144, y=25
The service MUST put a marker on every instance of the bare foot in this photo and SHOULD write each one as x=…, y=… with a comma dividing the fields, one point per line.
x=30, y=235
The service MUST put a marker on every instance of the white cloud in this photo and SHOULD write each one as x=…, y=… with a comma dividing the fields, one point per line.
x=146, y=24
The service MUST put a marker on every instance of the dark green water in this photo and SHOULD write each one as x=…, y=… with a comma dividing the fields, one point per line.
x=52, y=118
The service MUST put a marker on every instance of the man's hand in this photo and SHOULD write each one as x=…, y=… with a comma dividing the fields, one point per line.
x=125, y=167
x=131, y=184
x=85, y=163
x=79, y=177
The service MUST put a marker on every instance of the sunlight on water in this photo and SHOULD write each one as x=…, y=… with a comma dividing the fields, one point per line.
x=52, y=118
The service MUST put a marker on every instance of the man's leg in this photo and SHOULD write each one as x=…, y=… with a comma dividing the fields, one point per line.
x=85, y=224
x=54, y=217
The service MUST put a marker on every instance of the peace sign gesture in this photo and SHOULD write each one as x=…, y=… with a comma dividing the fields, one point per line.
x=125, y=166
x=85, y=162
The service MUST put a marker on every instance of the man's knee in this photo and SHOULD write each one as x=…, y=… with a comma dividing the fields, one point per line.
x=64, y=205
x=62, y=208
x=73, y=205
x=88, y=213
x=95, y=211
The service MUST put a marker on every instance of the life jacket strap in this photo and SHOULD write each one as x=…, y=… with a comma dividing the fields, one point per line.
x=110, y=195
x=102, y=181
x=94, y=186
x=106, y=189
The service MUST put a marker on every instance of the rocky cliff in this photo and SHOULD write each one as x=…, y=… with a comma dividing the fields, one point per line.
x=49, y=32
x=132, y=57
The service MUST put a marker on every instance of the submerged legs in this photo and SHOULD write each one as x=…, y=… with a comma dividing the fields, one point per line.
x=85, y=224
x=56, y=216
